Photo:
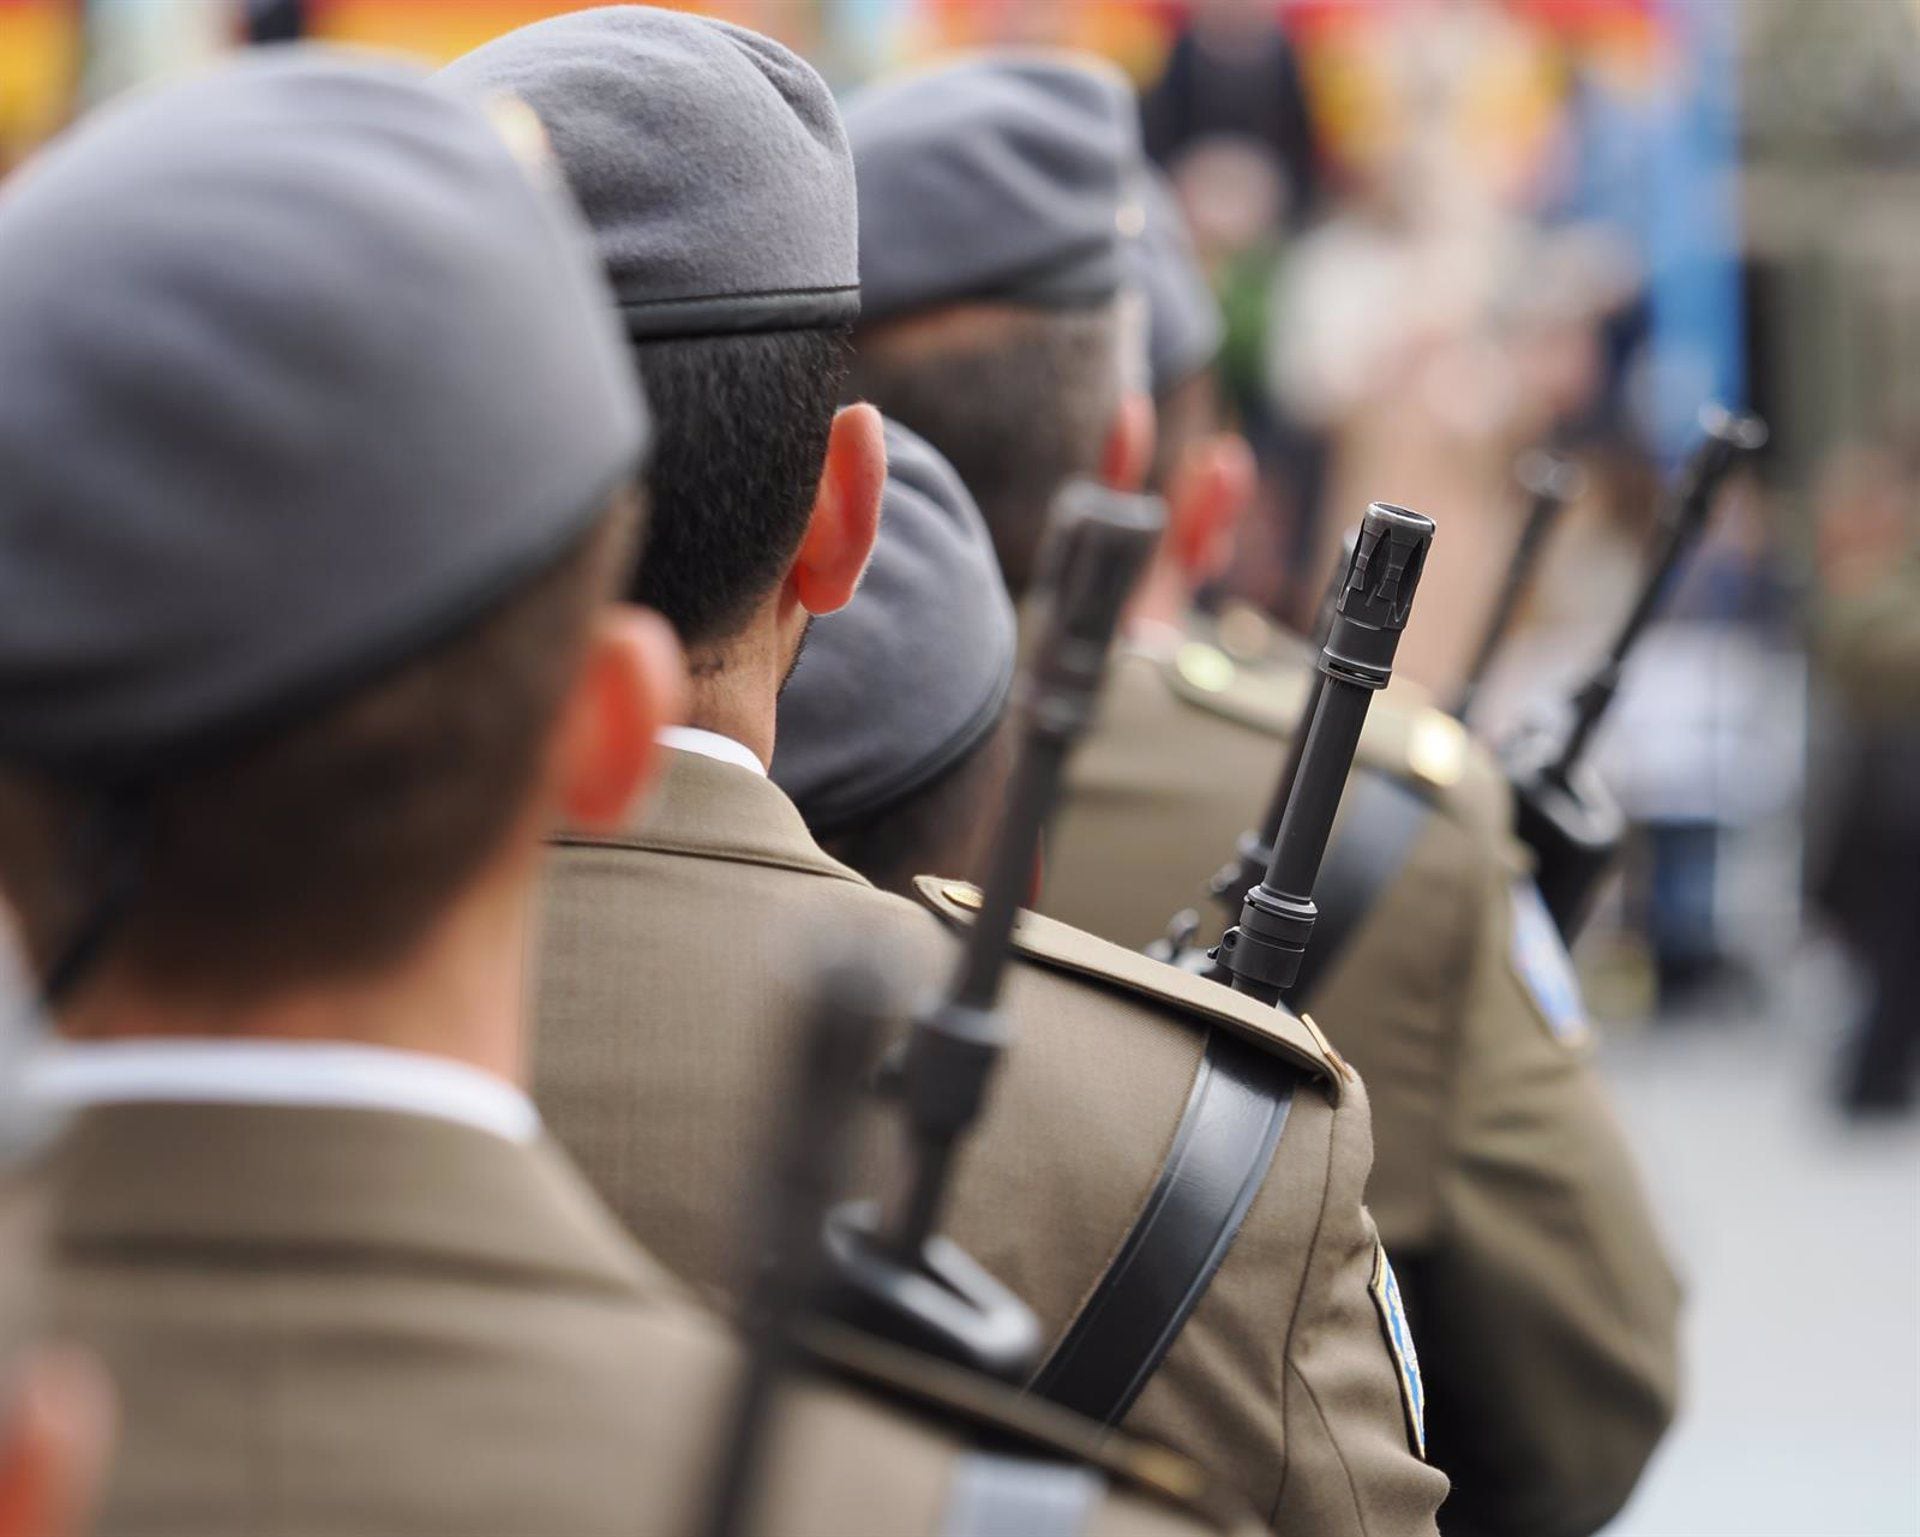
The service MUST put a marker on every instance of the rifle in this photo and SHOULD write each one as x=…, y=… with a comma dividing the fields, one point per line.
x=1550, y=483
x=805, y=1168
x=1261, y=954
x=1562, y=811
x=1251, y=854
x=895, y=1275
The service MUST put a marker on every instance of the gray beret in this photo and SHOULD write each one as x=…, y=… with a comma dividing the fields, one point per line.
x=897, y=686
x=305, y=371
x=1184, y=328
x=1005, y=178
x=710, y=161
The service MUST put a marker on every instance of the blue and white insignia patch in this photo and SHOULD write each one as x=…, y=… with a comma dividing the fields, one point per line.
x=1545, y=969
x=1406, y=1360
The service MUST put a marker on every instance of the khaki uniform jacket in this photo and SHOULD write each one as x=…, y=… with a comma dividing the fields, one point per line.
x=346, y=1323
x=673, y=976
x=1544, y=1306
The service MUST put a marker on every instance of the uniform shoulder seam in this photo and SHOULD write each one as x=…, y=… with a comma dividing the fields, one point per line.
x=1061, y=947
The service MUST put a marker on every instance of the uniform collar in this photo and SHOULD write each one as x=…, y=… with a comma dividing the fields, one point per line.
x=307, y=1074
x=711, y=744
x=348, y=1188
x=709, y=808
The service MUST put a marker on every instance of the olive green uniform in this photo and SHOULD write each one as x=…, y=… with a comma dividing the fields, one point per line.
x=1544, y=1306
x=670, y=987
x=354, y=1322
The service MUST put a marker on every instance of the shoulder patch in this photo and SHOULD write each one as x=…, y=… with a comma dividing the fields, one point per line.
x=1385, y=1287
x=1268, y=699
x=1545, y=970
x=1051, y=943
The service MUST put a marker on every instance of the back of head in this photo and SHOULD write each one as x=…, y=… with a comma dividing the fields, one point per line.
x=319, y=418
x=889, y=741
x=713, y=169
x=997, y=197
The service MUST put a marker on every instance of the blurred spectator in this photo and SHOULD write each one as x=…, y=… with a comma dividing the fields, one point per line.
x=1232, y=74
x=1868, y=636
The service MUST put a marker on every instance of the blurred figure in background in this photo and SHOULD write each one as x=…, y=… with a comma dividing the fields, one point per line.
x=1230, y=122
x=1232, y=74
x=1867, y=636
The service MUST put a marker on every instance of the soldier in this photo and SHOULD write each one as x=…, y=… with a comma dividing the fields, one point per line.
x=1542, y=1301
x=304, y=641
x=667, y=984
x=891, y=739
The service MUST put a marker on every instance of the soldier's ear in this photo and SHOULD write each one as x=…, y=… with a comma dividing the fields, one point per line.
x=55, y=1438
x=1211, y=489
x=630, y=686
x=846, y=512
x=1127, y=455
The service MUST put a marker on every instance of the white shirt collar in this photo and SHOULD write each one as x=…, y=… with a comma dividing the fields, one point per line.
x=711, y=744
x=71, y=1075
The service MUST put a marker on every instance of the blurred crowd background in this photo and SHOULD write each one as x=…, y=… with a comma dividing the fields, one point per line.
x=1448, y=231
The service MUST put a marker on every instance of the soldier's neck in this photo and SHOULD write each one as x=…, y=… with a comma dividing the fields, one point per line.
x=457, y=995
x=735, y=689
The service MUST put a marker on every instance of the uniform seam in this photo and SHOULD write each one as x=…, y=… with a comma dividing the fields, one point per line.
x=676, y=850
x=1287, y=1369
x=1326, y=1427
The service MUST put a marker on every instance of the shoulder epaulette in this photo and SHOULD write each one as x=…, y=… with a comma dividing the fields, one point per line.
x=1055, y=944
x=1265, y=698
x=1405, y=737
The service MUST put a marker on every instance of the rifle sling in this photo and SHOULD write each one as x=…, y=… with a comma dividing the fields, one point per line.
x=1224, y=1144
x=1221, y=1151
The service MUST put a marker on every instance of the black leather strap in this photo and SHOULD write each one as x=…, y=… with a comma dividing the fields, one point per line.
x=1219, y=1159
x=994, y=1496
x=1380, y=821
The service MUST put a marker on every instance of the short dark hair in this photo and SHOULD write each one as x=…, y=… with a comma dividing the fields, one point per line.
x=1019, y=400
x=329, y=849
x=740, y=438
x=941, y=828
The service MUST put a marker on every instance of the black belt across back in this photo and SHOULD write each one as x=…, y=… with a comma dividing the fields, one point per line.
x=1221, y=1150
x=1223, y=1146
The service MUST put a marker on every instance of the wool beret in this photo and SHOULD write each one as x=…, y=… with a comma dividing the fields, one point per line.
x=710, y=161
x=1184, y=327
x=1001, y=178
x=900, y=684
x=305, y=371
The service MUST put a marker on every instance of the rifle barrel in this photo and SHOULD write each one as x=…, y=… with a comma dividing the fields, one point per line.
x=1262, y=952
x=1551, y=482
x=1729, y=438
